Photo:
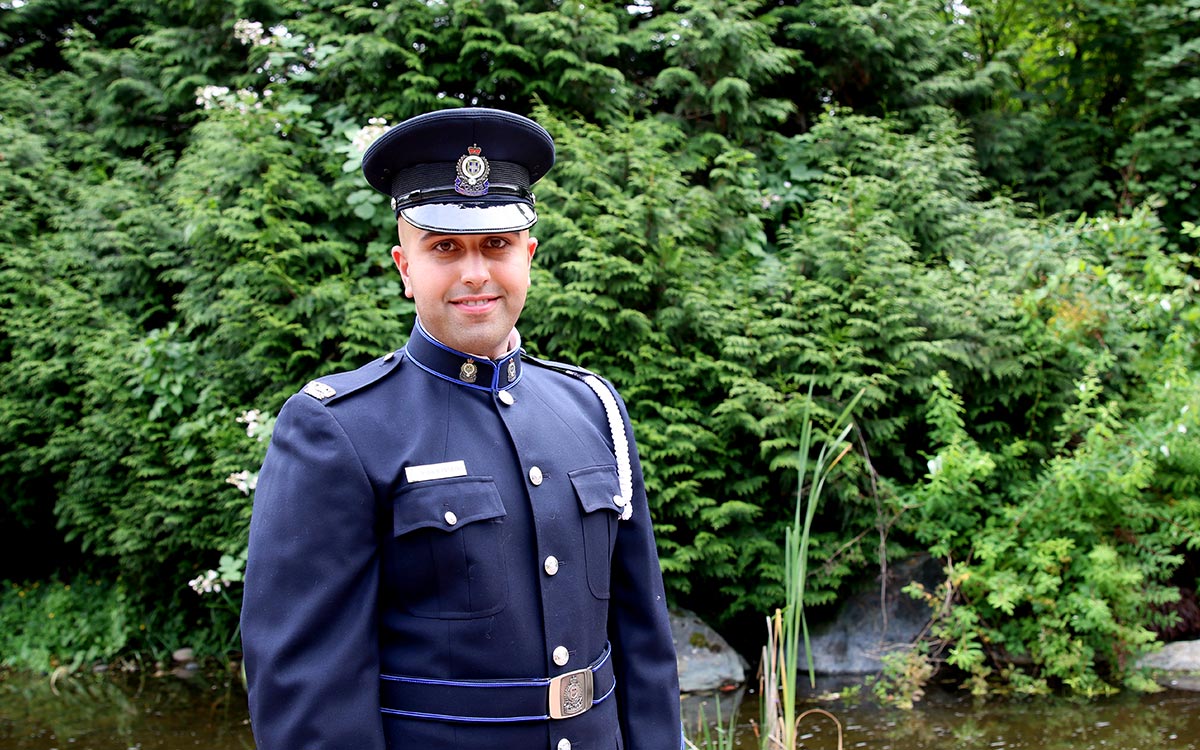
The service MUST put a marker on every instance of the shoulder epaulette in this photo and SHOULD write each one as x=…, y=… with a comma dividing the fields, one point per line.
x=616, y=427
x=341, y=384
x=562, y=367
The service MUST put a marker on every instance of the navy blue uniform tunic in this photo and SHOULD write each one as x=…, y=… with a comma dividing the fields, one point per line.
x=420, y=521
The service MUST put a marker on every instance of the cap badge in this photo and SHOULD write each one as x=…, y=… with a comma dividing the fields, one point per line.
x=473, y=171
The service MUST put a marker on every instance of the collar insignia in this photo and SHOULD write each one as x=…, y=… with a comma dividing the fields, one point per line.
x=473, y=171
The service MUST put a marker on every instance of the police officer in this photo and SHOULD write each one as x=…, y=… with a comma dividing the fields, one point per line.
x=451, y=546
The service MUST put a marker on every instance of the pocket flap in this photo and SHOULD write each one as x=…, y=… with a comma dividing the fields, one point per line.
x=446, y=504
x=596, y=487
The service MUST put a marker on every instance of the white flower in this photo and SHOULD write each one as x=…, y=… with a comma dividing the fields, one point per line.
x=249, y=32
x=935, y=465
x=210, y=97
x=253, y=419
x=244, y=481
x=1163, y=449
x=219, y=97
x=208, y=583
x=203, y=584
x=1165, y=304
x=366, y=135
x=1182, y=429
x=248, y=416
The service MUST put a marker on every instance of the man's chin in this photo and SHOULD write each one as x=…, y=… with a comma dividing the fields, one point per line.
x=484, y=346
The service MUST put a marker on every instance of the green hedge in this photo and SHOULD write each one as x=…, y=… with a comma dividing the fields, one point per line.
x=749, y=200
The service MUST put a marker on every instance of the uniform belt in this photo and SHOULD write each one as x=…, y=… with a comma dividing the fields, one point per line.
x=485, y=701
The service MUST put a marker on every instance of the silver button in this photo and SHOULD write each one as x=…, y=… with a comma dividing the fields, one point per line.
x=564, y=744
x=619, y=501
x=451, y=519
x=535, y=476
x=561, y=656
x=551, y=565
x=506, y=398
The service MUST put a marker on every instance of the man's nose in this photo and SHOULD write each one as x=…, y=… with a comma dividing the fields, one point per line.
x=474, y=268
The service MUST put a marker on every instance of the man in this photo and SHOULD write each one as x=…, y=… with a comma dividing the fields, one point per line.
x=451, y=546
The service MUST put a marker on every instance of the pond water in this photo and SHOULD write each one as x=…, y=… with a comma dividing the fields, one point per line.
x=948, y=719
x=124, y=712
x=141, y=712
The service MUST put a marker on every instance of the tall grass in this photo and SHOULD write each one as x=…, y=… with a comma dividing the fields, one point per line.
x=719, y=737
x=788, y=627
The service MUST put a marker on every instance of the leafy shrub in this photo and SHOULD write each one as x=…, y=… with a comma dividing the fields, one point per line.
x=1054, y=573
x=47, y=625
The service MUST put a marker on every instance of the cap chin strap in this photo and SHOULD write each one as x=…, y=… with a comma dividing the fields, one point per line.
x=616, y=428
x=450, y=195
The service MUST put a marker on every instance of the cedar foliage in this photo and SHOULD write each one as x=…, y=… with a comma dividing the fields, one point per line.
x=943, y=207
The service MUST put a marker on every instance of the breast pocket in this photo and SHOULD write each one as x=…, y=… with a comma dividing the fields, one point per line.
x=596, y=487
x=447, y=559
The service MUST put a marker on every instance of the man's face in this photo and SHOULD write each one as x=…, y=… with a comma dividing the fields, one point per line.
x=469, y=288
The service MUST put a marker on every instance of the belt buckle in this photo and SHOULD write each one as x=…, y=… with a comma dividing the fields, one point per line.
x=571, y=693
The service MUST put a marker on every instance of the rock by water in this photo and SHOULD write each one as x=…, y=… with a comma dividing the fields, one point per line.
x=706, y=661
x=856, y=640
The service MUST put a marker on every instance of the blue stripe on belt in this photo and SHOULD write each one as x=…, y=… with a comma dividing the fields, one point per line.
x=484, y=701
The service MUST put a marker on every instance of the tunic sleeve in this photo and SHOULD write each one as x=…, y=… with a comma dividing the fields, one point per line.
x=309, y=631
x=643, y=652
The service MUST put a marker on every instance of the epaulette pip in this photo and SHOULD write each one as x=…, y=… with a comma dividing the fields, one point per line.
x=320, y=391
x=342, y=384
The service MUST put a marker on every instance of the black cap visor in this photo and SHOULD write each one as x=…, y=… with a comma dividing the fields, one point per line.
x=470, y=218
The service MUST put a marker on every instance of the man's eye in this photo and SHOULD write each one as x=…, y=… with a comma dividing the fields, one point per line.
x=444, y=246
x=497, y=243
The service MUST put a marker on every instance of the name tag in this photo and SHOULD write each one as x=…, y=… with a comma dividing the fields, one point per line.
x=426, y=472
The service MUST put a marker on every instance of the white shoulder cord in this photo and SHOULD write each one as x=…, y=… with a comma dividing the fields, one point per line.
x=616, y=428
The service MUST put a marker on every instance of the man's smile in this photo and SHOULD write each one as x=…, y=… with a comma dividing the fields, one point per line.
x=475, y=303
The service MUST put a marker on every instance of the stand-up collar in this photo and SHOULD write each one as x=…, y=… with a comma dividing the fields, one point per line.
x=467, y=370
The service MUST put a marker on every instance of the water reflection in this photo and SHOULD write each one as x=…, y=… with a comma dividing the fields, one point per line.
x=123, y=712
x=1163, y=721
x=140, y=712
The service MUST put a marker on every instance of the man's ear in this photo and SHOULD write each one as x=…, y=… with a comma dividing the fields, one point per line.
x=401, y=261
x=533, y=243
